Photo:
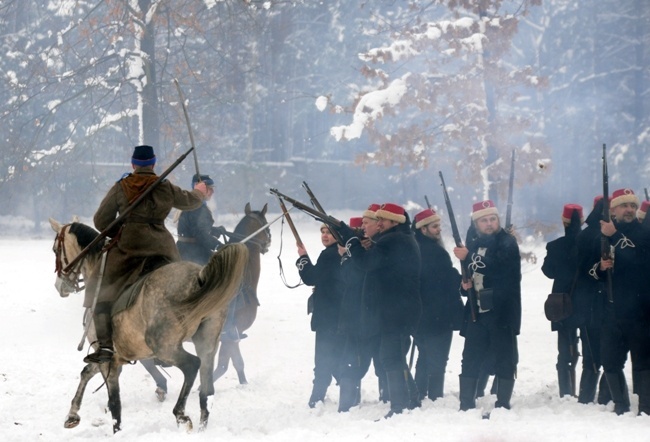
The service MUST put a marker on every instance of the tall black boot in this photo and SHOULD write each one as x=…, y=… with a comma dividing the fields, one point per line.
x=421, y=378
x=104, y=331
x=604, y=395
x=384, y=395
x=495, y=385
x=643, y=390
x=467, y=393
x=564, y=381
x=398, y=390
x=618, y=389
x=414, y=393
x=436, y=385
x=348, y=394
x=483, y=379
x=317, y=394
x=504, y=393
x=588, y=383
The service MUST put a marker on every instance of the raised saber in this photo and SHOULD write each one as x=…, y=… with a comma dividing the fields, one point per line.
x=189, y=127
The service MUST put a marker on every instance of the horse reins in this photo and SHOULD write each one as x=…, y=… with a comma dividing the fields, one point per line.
x=73, y=277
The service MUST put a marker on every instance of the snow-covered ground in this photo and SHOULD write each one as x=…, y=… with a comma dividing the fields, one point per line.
x=39, y=372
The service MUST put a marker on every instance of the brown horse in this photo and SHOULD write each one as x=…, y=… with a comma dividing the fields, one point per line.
x=247, y=301
x=177, y=302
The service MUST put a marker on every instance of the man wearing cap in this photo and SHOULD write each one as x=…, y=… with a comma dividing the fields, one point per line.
x=627, y=317
x=141, y=243
x=442, y=308
x=392, y=288
x=325, y=277
x=561, y=265
x=588, y=305
x=494, y=268
x=198, y=238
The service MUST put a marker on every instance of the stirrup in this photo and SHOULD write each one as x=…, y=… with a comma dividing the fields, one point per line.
x=104, y=354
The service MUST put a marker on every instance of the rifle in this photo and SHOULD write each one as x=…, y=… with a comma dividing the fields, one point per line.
x=471, y=298
x=292, y=226
x=605, y=250
x=104, y=233
x=320, y=216
x=428, y=203
x=510, y=189
x=317, y=206
x=647, y=197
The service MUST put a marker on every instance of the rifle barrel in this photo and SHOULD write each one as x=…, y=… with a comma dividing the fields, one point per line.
x=604, y=241
x=314, y=201
x=292, y=226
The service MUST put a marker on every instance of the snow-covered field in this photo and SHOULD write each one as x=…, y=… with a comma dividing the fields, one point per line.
x=39, y=372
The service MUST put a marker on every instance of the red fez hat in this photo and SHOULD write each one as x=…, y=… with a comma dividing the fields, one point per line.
x=392, y=212
x=355, y=222
x=622, y=196
x=427, y=216
x=483, y=208
x=371, y=211
x=568, y=210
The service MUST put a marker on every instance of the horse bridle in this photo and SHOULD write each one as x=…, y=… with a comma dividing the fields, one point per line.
x=263, y=245
x=65, y=282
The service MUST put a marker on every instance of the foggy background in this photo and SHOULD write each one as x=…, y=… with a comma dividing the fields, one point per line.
x=275, y=91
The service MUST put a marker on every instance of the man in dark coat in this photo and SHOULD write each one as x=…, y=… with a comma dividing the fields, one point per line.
x=198, y=238
x=325, y=277
x=627, y=316
x=141, y=243
x=442, y=307
x=494, y=268
x=392, y=287
x=588, y=306
x=561, y=265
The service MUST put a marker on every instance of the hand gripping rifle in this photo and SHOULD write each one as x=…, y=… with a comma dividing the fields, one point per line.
x=320, y=216
x=104, y=233
x=471, y=297
x=605, y=250
x=317, y=206
x=510, y=187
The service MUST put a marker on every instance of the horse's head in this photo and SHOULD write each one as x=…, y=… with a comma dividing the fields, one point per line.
x=69, y=241
x=253, y=221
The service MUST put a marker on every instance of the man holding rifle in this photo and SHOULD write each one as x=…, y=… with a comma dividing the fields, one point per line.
x=493, y=264
x=141, y=243
x=627, y=317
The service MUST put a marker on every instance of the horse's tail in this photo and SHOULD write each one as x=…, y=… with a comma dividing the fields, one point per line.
x=219, y=281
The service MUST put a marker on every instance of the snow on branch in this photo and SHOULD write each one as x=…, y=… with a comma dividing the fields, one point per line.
x=371, y=107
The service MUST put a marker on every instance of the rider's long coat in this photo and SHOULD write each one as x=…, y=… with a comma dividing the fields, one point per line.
x=142, y=241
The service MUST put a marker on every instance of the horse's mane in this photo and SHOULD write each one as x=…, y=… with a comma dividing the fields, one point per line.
x=222, y=274
x=85, y=235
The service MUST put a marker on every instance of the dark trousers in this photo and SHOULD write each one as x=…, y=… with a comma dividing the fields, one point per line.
x=357, y=355
x=485, y=336
x=620, y=336
x=433, y=354
x=327, y=358
x=590, y=342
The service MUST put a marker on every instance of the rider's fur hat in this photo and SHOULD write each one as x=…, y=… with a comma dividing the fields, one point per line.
x=143, y=156
x=205, y=178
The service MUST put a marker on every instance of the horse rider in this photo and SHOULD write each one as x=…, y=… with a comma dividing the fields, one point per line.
x=139, y=244
x=198, y=239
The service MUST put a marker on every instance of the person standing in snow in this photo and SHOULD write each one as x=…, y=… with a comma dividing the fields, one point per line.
x=561, y=265
x=325, y=306
x=494, y=269
x=627, y=316
x=442, y=308
x=392, y=288
x=141, y=243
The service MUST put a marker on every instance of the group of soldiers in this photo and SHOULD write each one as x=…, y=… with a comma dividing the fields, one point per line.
x=605, y=269
x=382, y=280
